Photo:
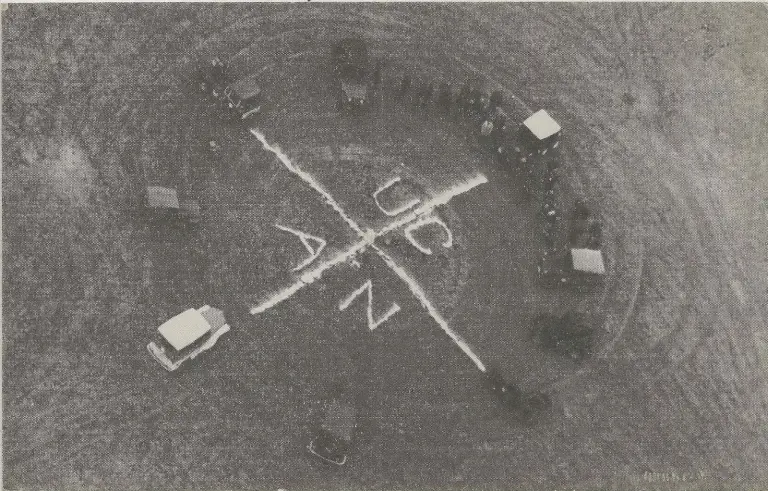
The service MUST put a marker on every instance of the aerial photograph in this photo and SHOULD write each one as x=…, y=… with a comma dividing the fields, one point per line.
x=384, y=246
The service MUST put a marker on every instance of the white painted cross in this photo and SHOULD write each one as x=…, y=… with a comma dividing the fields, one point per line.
x=367, y=239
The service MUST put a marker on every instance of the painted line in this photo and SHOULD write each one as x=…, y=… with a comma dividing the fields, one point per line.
x=303, y=236
x=367, y=239
x=309, y=277
x=283, y=158
x=418, y=292
x=441, y=198
x=278, y=297
x=372, y=324
x=395, y=211
x=423, y=222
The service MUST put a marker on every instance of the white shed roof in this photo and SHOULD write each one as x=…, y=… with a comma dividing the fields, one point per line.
x=542, y=125
x=184, y=329
x=588, y=261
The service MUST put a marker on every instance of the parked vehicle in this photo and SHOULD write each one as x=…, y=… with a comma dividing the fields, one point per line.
x=213, y=77
x=353, y=94
x=333, y=439
x=527, y=405
x=186, y=335
x=585, y=230
x=350, y=64
x=569, y=334
x=244, y=97
x=163, y=203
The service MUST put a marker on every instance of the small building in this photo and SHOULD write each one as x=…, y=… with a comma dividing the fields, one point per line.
x=537, y=147
x=586, y=229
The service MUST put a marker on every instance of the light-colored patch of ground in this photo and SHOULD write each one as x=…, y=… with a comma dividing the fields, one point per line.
x=70, y=174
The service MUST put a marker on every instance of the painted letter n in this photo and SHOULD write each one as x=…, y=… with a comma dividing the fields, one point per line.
x=372, y=324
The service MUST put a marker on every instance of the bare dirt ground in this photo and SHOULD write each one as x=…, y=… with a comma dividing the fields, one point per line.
x=664, y=110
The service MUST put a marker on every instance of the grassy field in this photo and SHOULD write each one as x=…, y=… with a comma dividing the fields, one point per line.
x=664, y=114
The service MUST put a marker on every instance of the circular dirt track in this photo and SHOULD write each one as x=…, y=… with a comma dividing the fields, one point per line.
x=664, y=116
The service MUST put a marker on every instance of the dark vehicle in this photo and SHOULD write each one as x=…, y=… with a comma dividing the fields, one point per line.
x=473, y=100
x=567, y=335
x=376, y=76
x=445, y=97
x=499, y=117
x=164, y=204
x=496, y=99
x=244, y=97
x=213, y=78
x=240, y=98
x=553, y=268
x=463, y=97
x=350, y=67
x=585, y=230
x=550, y=180
x=189, y=210
x=405, y=85
x=526, y=405
x=332, y=441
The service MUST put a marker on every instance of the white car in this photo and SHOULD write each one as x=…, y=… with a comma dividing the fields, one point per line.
x=186, y=335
